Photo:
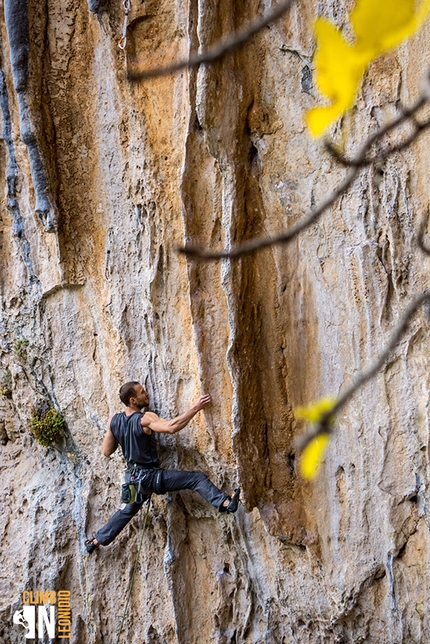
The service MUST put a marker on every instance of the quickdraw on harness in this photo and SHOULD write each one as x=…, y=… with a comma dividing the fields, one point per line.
x=123, y=42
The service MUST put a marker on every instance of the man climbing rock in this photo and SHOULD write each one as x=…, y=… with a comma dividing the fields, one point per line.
x=134, y=430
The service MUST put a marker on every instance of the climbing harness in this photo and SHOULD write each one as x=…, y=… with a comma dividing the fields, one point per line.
x=143, y=481
x=123, y=42
x=134, y=571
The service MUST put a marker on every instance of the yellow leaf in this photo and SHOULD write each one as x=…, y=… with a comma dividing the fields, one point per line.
x=339, y=69
x=313, y=455
x=316, y=410
x=422, y=13
x=380, y=26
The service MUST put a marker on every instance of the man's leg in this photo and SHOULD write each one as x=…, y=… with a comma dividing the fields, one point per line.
x=174, y=480
x=116, y=523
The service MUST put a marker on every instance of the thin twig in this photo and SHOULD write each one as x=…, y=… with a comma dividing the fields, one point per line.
x=406, y=114
x=282, y=238
x=324, y=425
x=419, y=127
x=219, y=50
x=421, y=234
x=355, y=165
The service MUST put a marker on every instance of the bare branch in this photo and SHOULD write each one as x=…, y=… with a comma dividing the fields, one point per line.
x=324, y=425
x=360, y=161
x=263, y=242
x=407, y=114
x=421, y=234
x=219, y=50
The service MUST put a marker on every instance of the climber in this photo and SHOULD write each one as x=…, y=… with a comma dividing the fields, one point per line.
x=134, y=430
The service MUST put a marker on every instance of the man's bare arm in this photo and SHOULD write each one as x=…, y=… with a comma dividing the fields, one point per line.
x=110, y=443
x=152, y=422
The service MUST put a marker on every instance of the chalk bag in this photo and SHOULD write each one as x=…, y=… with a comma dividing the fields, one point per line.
x=128, y=493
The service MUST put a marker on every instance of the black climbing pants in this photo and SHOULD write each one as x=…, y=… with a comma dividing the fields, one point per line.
x=168, y=481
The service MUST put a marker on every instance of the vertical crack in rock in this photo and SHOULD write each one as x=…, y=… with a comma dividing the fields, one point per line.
x=17, y=25
x=222, y=177
x=11, y=179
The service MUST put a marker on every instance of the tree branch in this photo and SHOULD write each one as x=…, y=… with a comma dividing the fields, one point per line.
x=323, y=426
x=219, y=50
x=282, y=238
x=421, y=234
x=406, y=115
x=355, y=164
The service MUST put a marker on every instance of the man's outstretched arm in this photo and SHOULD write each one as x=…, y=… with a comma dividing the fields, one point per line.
x=152, y=422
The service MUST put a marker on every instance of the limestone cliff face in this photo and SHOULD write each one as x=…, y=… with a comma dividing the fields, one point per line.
x=101, y=180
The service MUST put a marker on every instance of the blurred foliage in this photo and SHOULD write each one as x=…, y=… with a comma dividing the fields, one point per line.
x=340, y=65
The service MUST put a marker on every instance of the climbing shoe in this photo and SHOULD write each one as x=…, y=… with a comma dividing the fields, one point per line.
x=90, y=546
x=234, y=502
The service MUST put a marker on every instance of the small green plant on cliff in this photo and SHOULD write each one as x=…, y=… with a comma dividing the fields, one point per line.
x=47, y=426
x=6, y=384
x=20, y=348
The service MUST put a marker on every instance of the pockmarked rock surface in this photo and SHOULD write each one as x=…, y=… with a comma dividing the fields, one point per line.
x=102, y=179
